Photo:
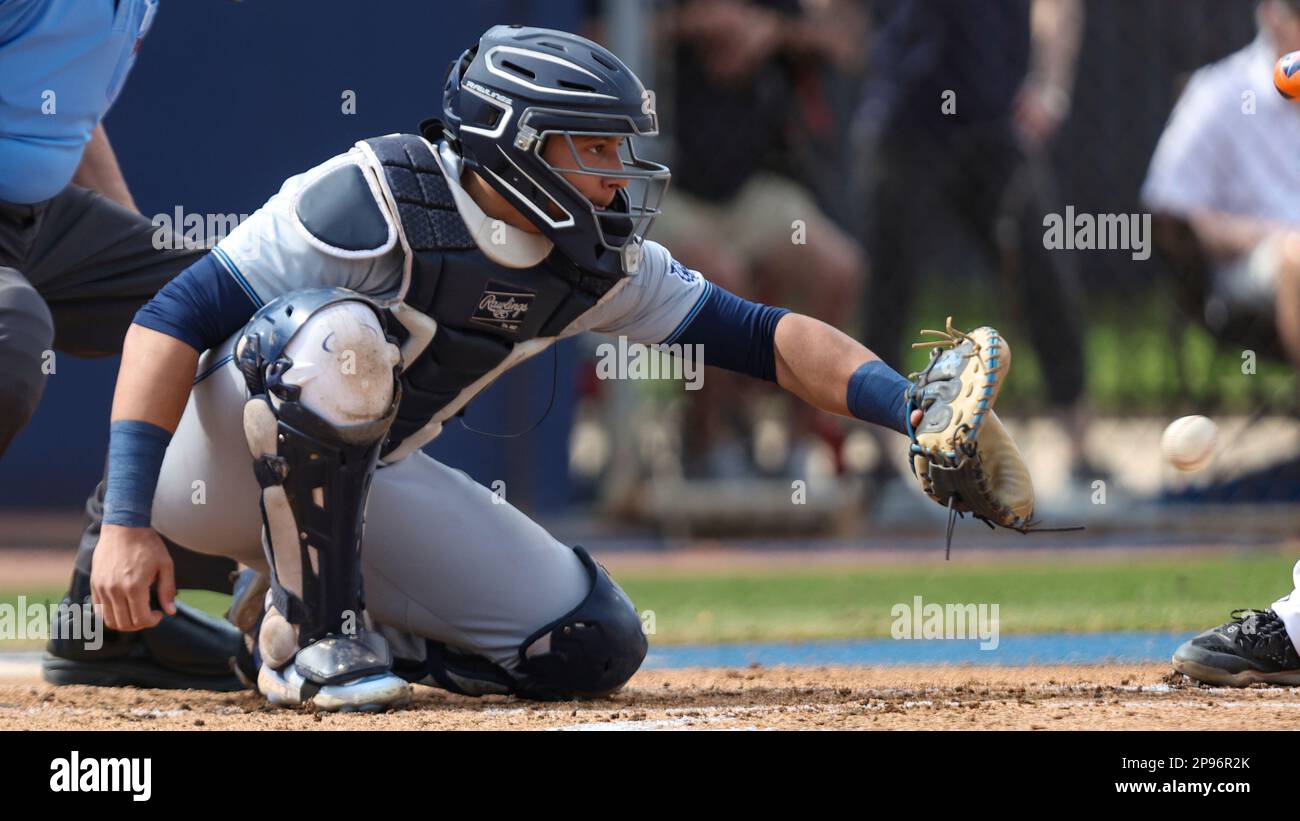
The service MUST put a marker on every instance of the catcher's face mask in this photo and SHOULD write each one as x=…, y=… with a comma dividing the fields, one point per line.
x=623, y=191
x=592, y=163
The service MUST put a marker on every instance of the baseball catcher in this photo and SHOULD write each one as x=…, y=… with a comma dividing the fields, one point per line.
x=298, y=369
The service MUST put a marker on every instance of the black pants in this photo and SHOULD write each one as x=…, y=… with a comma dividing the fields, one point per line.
x=73, y=272
x=981, y=179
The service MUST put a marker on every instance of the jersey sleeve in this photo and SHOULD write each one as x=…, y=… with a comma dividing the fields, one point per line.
x=201, y=306
x=733, y=333
x=652, y=306
x=670, y=304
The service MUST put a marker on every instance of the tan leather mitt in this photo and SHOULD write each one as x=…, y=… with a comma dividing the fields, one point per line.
x=961, y=454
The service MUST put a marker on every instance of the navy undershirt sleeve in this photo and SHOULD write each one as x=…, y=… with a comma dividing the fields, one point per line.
x=735, y=333
x=201, y=307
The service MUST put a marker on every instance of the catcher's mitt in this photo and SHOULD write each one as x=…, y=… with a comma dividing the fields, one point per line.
x=963, y=457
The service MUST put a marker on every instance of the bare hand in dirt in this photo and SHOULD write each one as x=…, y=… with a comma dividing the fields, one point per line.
x=128, y=561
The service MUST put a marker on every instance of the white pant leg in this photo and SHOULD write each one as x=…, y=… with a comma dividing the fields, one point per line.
x=1288, y=608
x=441, y=560
x=207, y=498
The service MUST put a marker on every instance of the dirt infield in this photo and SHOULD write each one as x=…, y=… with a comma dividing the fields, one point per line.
x=1038, y=698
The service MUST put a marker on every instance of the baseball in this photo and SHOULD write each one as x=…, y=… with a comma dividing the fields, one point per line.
x=1188, y=442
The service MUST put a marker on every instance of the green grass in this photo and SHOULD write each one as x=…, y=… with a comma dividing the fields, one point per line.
x=1071, y=595
x=1067, y=596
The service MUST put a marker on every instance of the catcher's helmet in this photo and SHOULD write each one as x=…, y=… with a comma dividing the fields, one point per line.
x=505, y=96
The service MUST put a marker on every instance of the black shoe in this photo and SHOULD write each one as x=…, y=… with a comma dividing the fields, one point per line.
x=1253, y=647
x=188, y=651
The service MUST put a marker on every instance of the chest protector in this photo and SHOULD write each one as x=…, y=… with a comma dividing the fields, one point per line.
x=483, y=309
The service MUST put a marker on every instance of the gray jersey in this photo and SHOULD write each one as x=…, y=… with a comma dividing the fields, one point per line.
x=272, y=253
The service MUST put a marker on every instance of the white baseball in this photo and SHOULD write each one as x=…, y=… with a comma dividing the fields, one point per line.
x=1188, y=442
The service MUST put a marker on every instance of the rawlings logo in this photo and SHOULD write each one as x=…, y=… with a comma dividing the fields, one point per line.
x=509, y=309
x=502, y=306
x=500, y=98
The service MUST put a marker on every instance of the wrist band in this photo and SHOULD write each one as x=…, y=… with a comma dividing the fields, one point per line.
x=878, y=394
x=135, y=456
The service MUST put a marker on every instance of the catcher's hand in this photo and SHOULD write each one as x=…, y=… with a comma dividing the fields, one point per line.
x=963, y=457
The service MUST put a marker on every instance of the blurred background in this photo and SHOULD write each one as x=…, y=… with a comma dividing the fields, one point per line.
x=878, y=164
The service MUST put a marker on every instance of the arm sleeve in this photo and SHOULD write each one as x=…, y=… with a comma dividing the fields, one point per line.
x=669, y=303
x=733, y=333
x=202, y=306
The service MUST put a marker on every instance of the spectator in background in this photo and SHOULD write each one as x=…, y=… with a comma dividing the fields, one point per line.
x=962, y=103
x=1228, y=164
x=745, y=72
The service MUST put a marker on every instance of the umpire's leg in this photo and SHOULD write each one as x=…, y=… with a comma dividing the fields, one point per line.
x=26, y=334
x=96, y=263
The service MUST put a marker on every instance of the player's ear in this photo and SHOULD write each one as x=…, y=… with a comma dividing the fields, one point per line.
x=432, y=129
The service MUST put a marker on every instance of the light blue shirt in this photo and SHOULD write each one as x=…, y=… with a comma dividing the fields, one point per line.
x=62, y=64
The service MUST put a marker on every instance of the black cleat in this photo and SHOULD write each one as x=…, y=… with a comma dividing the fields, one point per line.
x=188, y=651
x=1252, y=648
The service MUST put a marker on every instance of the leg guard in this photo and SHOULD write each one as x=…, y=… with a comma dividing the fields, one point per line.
x=589, y=652
x=322, y=377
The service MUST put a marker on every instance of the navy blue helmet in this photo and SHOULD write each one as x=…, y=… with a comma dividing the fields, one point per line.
x=521, y=86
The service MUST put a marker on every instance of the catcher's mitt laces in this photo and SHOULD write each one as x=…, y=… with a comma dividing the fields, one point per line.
x=948, y=336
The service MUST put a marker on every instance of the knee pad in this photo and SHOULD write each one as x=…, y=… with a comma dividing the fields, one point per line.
x=343, y=366
x=590, y=651
x=322, y=376
x=326, y=353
